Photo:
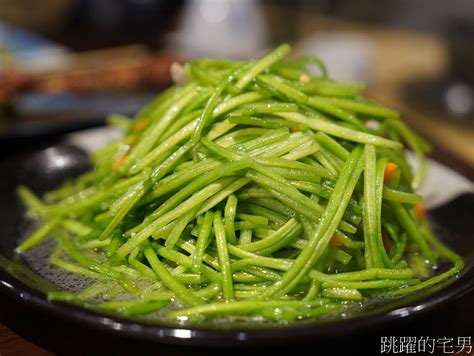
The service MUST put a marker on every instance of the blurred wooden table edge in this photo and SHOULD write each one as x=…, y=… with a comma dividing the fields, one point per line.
x=401, y=57
x=12, y=344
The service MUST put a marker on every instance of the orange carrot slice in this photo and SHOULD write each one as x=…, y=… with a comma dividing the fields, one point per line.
x=140, y=124
x=335, y=241
x=390, y=168
x=116, y=165
x=420, y=210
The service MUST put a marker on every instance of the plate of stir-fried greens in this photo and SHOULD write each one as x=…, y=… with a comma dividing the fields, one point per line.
x=251, y=195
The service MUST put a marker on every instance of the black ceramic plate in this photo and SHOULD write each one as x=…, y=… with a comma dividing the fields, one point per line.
x=43, y=168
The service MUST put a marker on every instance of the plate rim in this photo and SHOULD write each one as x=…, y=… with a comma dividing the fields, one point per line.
x=14, y=288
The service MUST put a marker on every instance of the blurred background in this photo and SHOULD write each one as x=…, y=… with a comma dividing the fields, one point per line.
x=66, y=64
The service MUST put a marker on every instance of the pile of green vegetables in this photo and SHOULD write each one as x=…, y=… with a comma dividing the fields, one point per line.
x=253, y=189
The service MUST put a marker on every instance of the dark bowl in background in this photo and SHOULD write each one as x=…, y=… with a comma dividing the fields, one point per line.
x=460, y=40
